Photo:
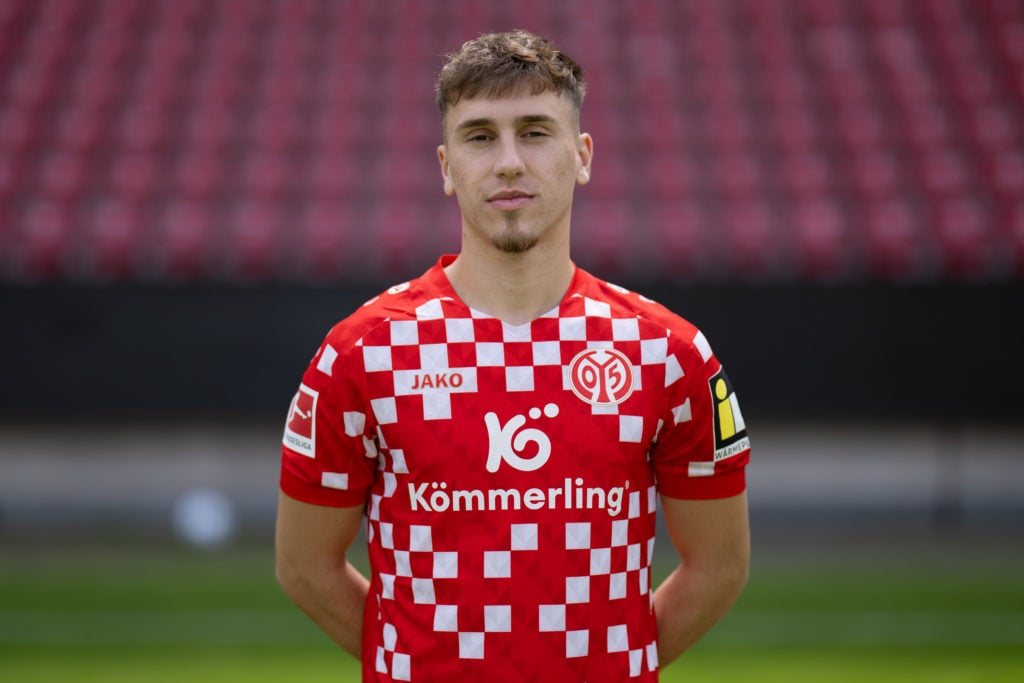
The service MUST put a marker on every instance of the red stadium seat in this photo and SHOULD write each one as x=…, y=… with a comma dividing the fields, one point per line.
x=966, y=237
x=136, y=175
x=994, y=126
x=399, y=175
x=330, y=174
x=63, y=175
x=161, y=84
x=181, y=248
x=926, y=126
x=886, y=12
x=9, y=172
x=267, y=174
x=730, y=128
x=274, y=127
x=1005, y=172
x=876, y=173
x=1010, y=41
x=604, y=236
x=199, y=173
x=680, y=238
x=44, y=242
x=756, y=247
x=210, y=126
x=29, y=85
x=943, y=171
x=253, y=241
x=813, y=139
x=897, y=248
x=738, y=174
x=824, y=250
x=1015, y=237
x=143, y=128
x=862, y=128
x=171, y=42
x=113, y=241
x=223, y=80
x=81, y=129
x=396, y=228
x=825, y=12
x=669, y=174
x=94, y=86
x=19, y=128
x=793, y=126
x=804, y=173
x=325, y=246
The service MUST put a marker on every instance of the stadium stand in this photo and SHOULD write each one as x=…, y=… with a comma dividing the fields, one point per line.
x=259, y=141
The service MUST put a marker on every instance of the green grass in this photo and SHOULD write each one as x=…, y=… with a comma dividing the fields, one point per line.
x=167, y=664
x=166, y=615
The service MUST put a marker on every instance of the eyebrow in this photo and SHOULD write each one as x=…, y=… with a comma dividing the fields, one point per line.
x=520, y=120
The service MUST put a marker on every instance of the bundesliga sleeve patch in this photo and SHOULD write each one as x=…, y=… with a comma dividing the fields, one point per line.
x=730, y=429
x=300, y=428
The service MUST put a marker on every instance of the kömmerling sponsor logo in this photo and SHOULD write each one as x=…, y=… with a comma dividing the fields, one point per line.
x=572, y=495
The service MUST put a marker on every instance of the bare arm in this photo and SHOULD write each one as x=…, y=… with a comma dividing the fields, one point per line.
x=311, y=542
x=713, y=540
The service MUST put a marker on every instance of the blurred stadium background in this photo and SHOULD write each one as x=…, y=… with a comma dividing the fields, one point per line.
x=192, y=191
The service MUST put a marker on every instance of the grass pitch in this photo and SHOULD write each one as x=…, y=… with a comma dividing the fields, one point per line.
x=171, y=614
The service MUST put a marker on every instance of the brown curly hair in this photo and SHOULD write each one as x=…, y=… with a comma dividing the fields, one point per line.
x=498, y=64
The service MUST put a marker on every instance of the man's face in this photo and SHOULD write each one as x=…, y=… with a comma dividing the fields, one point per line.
x=512, y=163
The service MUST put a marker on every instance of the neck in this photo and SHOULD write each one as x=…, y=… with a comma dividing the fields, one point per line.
x=515, y=288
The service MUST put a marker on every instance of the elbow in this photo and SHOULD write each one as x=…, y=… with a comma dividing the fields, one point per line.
x=735, y=578
x=736, y=571
x=726, y=579
x=305, y=583
x=740, y=577
x=739, y=568
x=283, y=574
x=290, y=579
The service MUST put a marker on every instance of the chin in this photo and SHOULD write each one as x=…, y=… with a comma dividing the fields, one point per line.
x=515, y=244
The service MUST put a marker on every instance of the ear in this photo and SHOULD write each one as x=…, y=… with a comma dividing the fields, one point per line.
x=449, y=187
x=584, y=157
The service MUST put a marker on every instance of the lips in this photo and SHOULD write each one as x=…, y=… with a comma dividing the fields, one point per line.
x=508, y=200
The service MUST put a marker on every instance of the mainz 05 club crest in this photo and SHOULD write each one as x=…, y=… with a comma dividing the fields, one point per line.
x=602, y=377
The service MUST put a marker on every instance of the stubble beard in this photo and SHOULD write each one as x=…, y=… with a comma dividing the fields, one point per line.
x=513, y=239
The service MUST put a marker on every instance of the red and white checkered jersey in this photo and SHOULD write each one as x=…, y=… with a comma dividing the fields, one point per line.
x=510, y=474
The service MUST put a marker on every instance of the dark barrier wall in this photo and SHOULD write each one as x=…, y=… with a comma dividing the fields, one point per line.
x=128, y=352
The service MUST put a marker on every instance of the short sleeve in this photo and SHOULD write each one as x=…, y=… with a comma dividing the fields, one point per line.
x=702, y=449
x=329, y=453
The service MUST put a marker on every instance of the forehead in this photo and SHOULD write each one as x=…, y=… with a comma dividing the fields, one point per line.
x=511, y=108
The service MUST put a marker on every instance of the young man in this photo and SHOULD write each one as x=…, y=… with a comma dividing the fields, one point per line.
x=506, y=423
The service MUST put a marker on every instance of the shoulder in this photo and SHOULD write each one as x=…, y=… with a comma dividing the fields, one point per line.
x=398, y=302
x=683, y=336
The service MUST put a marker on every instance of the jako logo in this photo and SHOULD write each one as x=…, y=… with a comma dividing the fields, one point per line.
x=601, y=377
x=438, y=380
x=510, y=441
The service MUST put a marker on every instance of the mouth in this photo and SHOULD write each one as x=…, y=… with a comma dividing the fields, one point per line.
x=509, y=200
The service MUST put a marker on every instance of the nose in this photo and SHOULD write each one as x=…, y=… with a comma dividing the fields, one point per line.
x=509, y=163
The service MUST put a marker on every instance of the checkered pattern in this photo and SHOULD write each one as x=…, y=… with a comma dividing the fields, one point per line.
x=447, y=338
x=414, y=549
x=497, y=564
x=617, y=565
x=510, y=515
x=617, y=568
